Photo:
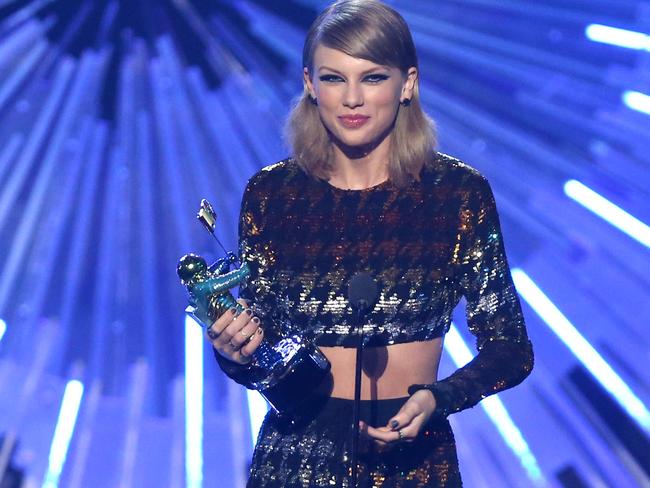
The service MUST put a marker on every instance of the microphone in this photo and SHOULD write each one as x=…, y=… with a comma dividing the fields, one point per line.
x=362, y=292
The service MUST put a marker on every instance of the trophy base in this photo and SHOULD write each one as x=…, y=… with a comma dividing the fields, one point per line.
x=293, y=379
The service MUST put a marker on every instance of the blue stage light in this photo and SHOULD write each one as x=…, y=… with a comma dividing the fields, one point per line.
x=3, y=328
x=496, y=411
x=257, y=408
x=193, y=403
x=63, y=432
x=618, y=37
x=581, y=348
x=610, y=212
x=637, y=101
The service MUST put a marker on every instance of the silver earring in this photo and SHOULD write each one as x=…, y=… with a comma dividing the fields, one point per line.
x=406, y=102
x=313, y=100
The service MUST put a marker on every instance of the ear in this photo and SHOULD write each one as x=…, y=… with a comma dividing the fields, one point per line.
x=309, y=86
x=409, y=83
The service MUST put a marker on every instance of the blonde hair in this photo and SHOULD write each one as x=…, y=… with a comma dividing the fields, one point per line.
x=366, y=29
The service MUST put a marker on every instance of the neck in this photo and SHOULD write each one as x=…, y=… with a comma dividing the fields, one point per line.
x=357, y=168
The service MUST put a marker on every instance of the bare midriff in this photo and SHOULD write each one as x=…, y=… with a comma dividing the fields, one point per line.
x=387, y=371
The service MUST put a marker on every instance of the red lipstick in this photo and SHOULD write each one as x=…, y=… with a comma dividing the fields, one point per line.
x=353, y=121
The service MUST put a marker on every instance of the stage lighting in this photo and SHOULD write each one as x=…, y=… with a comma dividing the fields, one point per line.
x=581, y=348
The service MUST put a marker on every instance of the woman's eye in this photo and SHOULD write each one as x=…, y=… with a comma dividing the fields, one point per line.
x=376, y=78
x=329, y=78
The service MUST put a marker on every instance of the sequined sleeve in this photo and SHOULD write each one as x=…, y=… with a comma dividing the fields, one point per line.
x=255, y=251
x=494, y=317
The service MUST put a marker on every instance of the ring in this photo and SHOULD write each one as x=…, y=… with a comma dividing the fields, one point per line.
x=400, y=435
x=246, y=336
x=250, y=337
x=234, y=346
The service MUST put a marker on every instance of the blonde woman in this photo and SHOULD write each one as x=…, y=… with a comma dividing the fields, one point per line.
x=365, y=190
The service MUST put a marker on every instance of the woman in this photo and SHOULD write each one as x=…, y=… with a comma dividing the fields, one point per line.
x=365, y=190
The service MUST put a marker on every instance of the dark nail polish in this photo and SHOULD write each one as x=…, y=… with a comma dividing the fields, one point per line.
x=394, y=423
x=249, y=311
x=256, y=320
x=233, y=310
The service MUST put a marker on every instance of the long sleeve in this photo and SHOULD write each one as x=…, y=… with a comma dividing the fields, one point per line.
x=254, y=250
x=494, y=317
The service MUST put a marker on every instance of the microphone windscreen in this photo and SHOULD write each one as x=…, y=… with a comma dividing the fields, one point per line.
x=362, y=290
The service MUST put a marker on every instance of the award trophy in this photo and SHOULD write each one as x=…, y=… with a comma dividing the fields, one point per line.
x=284, y=373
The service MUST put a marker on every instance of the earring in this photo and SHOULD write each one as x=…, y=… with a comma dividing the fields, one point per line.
x=313, y=100
x=406, y=102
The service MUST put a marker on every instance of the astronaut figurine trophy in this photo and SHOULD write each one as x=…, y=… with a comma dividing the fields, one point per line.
x=285, y=372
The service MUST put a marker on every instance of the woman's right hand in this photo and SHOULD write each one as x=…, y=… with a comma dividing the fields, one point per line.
x=236, y=337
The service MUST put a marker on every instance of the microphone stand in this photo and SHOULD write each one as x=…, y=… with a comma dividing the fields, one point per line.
x=358, y=314
x=362, y=293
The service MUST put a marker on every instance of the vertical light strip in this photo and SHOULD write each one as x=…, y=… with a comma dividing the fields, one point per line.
x=3, y=328
x=637, y=101
x=496, y=411
x=193, y=403
x=63, y=432
x=257, y=408
x=581, y=348
x=608, y=211
x=618, y=37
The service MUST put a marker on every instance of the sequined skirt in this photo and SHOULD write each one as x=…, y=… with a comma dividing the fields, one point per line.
x=315, y=450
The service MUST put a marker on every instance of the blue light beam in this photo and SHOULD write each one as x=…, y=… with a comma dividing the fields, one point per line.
x=496, y=411
x=63, y=432
x=618, y=37
x=581, y=348
x=608, y=211
x=193, y=403
x=3, y=328
x=257, y=408
x=637, y=101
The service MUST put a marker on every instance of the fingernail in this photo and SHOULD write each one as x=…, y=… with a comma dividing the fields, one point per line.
x=394, y=423
x=248, y=311
x=256, y=320
x=233, y=310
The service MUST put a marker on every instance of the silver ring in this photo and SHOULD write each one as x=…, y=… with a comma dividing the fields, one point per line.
x=400, y=435
x=251, y=337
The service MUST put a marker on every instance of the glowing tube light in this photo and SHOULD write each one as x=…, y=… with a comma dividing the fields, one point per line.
x=496, y=411
x=637, y=101
x=618, y=37
x=605, y=209
x=3, y=328
x=257, y=408
x=581, y=348
x=63, y=433
x=193, y=404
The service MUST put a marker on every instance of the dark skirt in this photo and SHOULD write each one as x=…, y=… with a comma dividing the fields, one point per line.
x=315, y=450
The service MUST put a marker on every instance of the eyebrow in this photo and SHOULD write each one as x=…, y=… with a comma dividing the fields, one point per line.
x=363, y=72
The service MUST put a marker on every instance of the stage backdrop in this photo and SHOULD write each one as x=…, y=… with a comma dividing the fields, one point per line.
x=117, y=117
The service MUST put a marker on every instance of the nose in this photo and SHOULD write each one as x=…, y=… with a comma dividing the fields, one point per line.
x=353, y=96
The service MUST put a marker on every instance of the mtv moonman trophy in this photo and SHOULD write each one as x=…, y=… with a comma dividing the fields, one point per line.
x=283, y=373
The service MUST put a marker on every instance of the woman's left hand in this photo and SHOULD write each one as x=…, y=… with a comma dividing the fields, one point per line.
x=415, y=413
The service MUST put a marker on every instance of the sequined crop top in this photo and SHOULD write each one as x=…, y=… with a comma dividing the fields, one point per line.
x=426, y=245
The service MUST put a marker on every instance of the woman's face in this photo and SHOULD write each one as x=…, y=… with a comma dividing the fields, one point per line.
x=357, y=99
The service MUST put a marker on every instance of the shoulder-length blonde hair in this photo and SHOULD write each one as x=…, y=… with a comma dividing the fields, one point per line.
x=366, y=29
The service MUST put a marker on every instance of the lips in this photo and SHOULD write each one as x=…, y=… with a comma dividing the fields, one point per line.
x=353, y=121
